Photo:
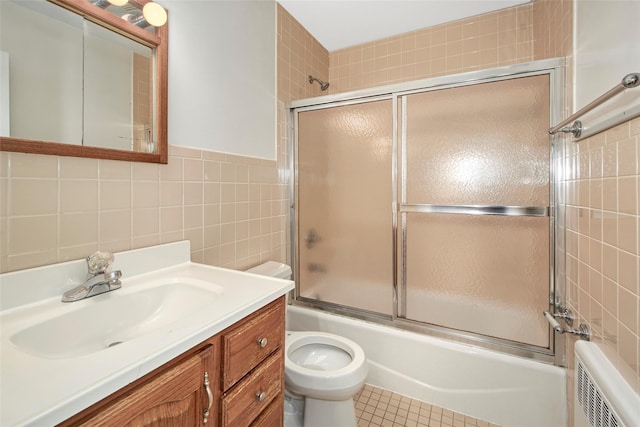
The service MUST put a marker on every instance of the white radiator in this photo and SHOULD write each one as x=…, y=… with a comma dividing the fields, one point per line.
x=602, y=397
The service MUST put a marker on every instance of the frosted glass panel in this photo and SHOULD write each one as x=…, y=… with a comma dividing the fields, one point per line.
x=482, y=274
x=482, y=144
x=344, y=205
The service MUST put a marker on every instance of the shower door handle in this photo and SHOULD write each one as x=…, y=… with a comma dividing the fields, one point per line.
x=311, y=238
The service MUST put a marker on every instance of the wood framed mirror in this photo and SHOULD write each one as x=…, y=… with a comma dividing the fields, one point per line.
x=120, y=114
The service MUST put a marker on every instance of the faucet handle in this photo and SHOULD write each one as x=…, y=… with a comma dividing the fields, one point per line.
x=99, y=262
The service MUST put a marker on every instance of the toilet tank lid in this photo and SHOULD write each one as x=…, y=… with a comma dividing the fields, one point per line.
x=272, y=269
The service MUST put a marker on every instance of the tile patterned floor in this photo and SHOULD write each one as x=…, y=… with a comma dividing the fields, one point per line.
x=376, y=407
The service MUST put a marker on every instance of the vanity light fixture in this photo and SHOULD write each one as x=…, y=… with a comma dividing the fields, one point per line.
x=152, y=14
x=106, y=3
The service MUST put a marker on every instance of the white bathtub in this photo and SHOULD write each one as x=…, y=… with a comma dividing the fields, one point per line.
x=491, y=386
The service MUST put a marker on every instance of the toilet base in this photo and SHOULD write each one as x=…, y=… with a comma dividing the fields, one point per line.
x=323, y=413
x=293, y=412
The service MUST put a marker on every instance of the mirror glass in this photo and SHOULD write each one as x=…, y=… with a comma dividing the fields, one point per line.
x=67, y=78
x=42, y=47
x=117, y=91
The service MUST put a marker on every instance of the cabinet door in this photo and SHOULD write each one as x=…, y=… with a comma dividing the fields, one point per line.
x=175, y=397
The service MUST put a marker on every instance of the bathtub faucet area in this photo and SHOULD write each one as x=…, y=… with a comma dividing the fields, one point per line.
x=99, y=279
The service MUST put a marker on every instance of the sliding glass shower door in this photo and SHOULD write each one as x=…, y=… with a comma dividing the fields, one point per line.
x=344, y=234
x=474, y=208
x=431, y=207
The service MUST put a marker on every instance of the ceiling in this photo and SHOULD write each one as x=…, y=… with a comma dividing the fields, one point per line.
x=337, y=24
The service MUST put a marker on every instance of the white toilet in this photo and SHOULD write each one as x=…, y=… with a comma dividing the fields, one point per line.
x=322, y=372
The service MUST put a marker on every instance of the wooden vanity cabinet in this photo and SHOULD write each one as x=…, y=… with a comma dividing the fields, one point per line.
x=173, y=395
x=253, y=367
x=244, y=368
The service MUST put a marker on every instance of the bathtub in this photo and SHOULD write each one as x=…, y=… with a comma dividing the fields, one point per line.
x=502, y=389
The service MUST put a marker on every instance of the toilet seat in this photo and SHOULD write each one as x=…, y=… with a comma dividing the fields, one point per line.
x=335, y=384
x=322, y=396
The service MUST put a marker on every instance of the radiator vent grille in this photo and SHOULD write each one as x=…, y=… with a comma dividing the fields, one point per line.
x=590, y=398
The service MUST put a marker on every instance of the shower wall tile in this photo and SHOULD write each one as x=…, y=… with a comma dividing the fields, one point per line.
x=608, y=280
x=299, y=55
x=490, y=40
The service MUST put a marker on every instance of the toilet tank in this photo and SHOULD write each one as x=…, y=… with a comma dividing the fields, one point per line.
x=272, y=269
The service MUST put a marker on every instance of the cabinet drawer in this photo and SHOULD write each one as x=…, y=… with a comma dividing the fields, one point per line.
x=273, y=415
x=252, y=395
x=245, y=346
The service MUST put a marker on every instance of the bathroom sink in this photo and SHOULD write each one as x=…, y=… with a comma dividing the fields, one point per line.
x=58, y=358
x=113, y=318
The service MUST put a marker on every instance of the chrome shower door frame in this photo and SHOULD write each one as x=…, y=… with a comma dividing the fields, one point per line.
x=555, y=68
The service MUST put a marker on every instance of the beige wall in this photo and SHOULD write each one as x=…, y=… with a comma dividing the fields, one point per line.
x=489, y=40
x=602, y=207
x=233, y=209
x=602, y=238
x=602, y=258
x=299, y=55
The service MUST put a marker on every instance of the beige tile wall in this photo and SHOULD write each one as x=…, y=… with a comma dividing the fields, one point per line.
x=233, y=209
x=602, y=215
x=552, y=28
x=485, y=41
x=299, y=55
x=602, y=239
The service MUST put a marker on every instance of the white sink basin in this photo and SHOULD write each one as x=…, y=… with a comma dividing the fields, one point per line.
x=113, y=318
x=59, y=358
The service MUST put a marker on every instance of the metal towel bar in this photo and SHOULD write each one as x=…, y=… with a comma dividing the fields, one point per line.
x=629, y=81
x=582, y=331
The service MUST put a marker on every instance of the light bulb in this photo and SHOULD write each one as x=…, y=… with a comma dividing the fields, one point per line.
x=154, y=14
x=118, y=2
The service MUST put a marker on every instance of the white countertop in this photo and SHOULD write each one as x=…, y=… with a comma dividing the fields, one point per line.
x=40, y=391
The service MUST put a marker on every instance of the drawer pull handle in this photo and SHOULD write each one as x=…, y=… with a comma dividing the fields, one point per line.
x=205, y=413
x=262, y=342
x=260, y=396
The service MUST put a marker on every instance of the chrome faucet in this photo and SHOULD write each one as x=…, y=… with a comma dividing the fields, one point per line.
x=99, y=280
